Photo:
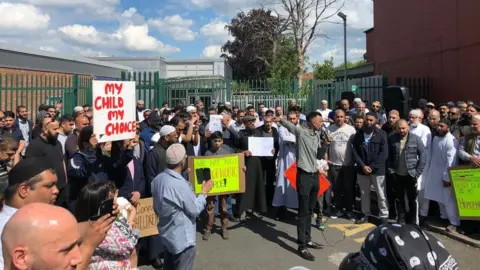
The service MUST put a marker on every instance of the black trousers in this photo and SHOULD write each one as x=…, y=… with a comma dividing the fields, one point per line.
x=343, y=187
x=307, y=189
x=392, y=211
x=269, y=170
x=401, y=185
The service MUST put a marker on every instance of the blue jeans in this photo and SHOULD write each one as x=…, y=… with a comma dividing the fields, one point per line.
x=229, y=206
x=181, y=261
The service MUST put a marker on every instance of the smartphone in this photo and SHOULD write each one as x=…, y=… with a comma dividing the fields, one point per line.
x=106, y=207
x=207, y=174
x=199, y=174
x=60, y=101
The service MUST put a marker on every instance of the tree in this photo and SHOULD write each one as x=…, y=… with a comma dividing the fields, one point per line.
x=256, y=37
x=304, y=19
x=285, y=60
x=351, y=64
x=325, y=71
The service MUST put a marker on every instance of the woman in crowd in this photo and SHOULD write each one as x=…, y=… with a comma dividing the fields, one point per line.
x=117, y=251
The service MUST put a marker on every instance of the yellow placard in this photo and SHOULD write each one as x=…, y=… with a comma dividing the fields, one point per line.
x=145, y=219
x=225, y=171
x=466, y=186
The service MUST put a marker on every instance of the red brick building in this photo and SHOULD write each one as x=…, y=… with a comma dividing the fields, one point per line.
x=439, y=39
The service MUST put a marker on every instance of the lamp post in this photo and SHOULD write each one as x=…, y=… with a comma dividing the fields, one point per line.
x=344, y=18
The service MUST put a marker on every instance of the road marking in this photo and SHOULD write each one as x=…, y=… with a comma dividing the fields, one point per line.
x=351, y=229
x=337, y=258
x=359, y=240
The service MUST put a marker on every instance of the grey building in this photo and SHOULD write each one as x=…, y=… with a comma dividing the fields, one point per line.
x=185, y=80
x=22, y=58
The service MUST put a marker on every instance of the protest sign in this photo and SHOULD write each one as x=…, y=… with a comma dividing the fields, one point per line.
x=291, y=175
x=145, y=219
x=225, y=171
x=114, y=110
x=466, y=187
x=215, y=123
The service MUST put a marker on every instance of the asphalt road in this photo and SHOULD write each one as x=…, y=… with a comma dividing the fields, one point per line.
x=270, y=244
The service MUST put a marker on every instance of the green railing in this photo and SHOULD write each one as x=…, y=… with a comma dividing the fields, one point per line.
x=32, y=90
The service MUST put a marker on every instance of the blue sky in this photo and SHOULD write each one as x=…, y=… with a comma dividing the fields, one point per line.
x=168, y=28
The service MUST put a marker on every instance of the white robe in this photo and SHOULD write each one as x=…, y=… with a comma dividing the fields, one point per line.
x=443, y=153
x=285, y=195
x=424, y=133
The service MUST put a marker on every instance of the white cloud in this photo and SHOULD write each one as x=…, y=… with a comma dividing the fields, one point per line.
x=215, y=31
x=226, y=7
x=82, y=34
x=48, y=48
x=136, y=38
x=357, y=51
x=105, y=8
x=175, y=26
x=213, y=51
x=22, y=16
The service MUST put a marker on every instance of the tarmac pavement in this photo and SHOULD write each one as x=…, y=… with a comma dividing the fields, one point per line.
x=271, y=245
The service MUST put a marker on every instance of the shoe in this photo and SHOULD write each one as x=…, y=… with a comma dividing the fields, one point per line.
x=206, y=235
x=319, y=224
x=305, y=254
x=362, y=220
x=314, y=245
x=231, y=218
x=225, y=234
x=351, y=216
x=384, y=221
x=157, y=263
x=339, y=213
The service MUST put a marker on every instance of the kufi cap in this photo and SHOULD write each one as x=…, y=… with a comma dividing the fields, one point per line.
x=28, y=168
x=228, y=103
x=140, y=102
x=175, y=153
x=249, y=118
x=191, y=108
x=167, y=130
x=78, y=109
x=356, y=100
x=431, y=104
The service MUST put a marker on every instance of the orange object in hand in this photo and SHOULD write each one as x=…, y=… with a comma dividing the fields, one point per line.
x=291, y=175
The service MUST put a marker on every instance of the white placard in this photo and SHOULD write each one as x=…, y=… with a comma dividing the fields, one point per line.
x=114, y=110
x=260, y=146
x=215, y=123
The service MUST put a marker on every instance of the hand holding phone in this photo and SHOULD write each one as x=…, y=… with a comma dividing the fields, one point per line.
x=106, y=207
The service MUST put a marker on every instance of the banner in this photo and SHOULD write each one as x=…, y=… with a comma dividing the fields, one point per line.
x=291, y=175
x=145, y=219
x=114, y=110
x=225, y=171
x=466, y=187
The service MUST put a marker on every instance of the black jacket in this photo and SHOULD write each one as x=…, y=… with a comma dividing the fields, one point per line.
x=415, y=154
x=373, y=155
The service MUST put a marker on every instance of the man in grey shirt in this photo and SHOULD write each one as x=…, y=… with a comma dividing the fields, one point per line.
x=308, y=144
x=177, y=207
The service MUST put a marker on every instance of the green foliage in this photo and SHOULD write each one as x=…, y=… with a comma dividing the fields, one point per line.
x=325, y=71
x=351, y=64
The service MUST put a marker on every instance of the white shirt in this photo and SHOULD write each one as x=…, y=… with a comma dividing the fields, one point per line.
x=123, y=206
x=5, y=215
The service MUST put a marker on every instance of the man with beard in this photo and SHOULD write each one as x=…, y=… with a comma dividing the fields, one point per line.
x=177, y=207
x=30, y=181
x=139, y=111
x=438, y=187
x=406, y=161
x=48, y=147
x=390, y=126
x=24, y=125
x=433, y=119
x=454, y=116
x=469, y=151
x=370, y=152
x=156, y=159
x=419, y=129
x=443, y=109
x=466, y=122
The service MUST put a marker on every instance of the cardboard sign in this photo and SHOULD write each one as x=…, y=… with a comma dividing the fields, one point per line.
x=225, y=171
x=466, y=187
x=291, y=175
x=114, y=110
x=145, y=219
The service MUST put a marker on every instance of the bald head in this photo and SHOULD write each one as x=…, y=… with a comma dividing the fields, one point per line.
x=41, y=235
x=434, y=113
x=433, y=118
x=81, y=122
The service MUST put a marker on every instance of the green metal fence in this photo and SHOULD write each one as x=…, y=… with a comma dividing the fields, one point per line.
x=33, y=89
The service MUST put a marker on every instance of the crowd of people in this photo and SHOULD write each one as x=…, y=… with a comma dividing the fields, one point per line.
x=55, y=176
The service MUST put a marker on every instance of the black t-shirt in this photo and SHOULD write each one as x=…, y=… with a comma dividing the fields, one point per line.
x=41, y=148
x=16, y=134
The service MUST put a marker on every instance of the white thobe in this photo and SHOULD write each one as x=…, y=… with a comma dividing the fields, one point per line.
x=285, y=195
x=443, y=153
x=324, y=114
x=425, y=135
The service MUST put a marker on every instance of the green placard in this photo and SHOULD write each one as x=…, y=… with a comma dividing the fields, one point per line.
x=354, y=88
x=466, y=186
x=226, y=172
